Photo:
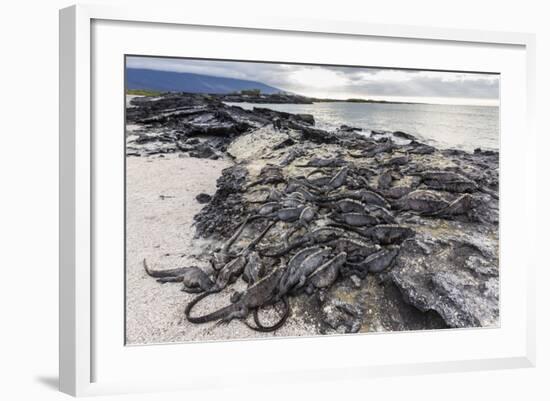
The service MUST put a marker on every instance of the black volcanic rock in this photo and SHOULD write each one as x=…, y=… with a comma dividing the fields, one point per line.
x=225, y=210
x=403, y=135
x=203, y=198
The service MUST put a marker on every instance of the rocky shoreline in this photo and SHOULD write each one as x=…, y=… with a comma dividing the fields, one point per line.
x=406, y=234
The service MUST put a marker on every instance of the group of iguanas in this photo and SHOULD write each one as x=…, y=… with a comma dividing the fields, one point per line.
x=330, y=226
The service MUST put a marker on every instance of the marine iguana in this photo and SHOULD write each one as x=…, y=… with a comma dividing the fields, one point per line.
x=376, y=262
x=422, y=201
x=266, y=329
x=347, y=205
x=385, y=180
x=221, y=256
x=193, y=278
x=286, y=310
x=448, y=181
x=269, y=175
x=354, y=248
x=317, y=236
x=318, y=162
x=303, y=214
x=338, y=180
x=325, y=275
x=297, y=273
x=254, y=268
x=259, y=294
x=234, y=268
x=387, y=234
x=464, y=205
x=355, y=219
x=363, y=195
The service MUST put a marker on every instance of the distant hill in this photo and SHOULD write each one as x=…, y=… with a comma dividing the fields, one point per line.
x=168, y=81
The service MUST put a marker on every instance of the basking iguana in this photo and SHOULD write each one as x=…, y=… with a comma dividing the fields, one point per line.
x=259, y=294
x=193, y=278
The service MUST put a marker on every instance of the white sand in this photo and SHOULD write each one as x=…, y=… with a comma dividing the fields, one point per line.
x=161, y=231
x=129, y=99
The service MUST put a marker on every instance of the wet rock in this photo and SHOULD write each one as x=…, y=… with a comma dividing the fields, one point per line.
x=306, y=118
x=347, y=128
x=482, y=152
x=382, y=145
x=403, y=135
x=314, y=135
x=422, y=150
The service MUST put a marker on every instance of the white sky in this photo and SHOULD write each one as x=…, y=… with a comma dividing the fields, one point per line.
x=344, y=82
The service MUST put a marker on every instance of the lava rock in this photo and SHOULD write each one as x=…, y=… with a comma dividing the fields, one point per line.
x=342, y=317
x=461, y=285
x=203, y=198
x=403, y=135
x=202, y=151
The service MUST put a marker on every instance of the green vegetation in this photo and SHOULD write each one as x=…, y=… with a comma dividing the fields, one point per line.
x=143, y=92
x=355, y=100
x=358, y=100
x=251, y=92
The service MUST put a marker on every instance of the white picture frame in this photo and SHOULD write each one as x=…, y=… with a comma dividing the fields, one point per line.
x=82, y=343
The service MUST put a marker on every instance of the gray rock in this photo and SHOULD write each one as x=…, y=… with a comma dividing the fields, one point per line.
x=404, y=135
x=460, y=284
x=203, y=198
x=306, y=118
x=342, y=317
x=202, y=151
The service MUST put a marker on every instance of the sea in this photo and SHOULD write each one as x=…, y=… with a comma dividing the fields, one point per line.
x=443, y=126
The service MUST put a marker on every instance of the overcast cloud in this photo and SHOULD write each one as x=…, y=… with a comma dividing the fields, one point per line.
x=344, y=82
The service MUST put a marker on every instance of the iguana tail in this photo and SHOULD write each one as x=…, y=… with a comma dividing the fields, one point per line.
x=266, y=329
x=217, y=315
x=163, y=273
x=230, y=241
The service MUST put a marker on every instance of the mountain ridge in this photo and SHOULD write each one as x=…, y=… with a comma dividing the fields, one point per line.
x=172, y=81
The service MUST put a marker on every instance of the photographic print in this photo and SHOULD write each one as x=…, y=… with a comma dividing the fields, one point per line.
x=268, y=199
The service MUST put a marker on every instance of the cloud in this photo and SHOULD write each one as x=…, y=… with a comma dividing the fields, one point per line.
x=334, y=81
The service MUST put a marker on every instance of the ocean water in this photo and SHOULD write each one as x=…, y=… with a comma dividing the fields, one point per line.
x=442, y=126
